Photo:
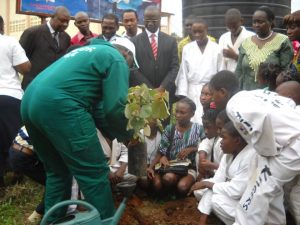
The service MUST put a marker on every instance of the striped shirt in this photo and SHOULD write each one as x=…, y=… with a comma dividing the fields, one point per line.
x=190, y=138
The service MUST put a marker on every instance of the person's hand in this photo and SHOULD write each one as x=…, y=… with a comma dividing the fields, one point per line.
x=119, y=174
x=183, y=153
x=160, y=89
x=199, y=177
x=206, y=164
x=230, y=53
x=150, y=173
x=112, y=178
x=196, y=186
x=164, y=161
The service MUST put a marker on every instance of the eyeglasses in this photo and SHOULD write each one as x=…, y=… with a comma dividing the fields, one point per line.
x=151, y=21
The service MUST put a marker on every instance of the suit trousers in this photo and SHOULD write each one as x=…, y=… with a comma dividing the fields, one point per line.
x=66, y=142
x=10, y=123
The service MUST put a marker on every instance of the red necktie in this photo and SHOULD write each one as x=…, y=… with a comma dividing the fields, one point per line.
x=154, y=46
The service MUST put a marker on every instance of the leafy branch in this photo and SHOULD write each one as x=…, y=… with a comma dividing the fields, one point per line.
x=145, y=105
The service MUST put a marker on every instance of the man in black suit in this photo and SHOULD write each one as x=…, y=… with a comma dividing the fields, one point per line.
x=157, y=56
x=45, y=43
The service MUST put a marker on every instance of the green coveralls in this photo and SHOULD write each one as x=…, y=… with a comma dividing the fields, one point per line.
x=61, y=108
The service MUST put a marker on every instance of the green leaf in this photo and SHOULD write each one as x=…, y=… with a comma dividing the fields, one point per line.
x=146, y=111
x=131, y=110
x=160, y=110
x=147, y=130
x=144, y=105
x=137, y=124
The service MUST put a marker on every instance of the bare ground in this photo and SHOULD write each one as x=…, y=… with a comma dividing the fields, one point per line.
x=149, y=211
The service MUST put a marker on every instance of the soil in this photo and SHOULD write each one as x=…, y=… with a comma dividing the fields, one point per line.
x=150, y=211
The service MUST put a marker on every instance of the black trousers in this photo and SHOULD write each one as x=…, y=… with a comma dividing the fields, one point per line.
x=10, y=123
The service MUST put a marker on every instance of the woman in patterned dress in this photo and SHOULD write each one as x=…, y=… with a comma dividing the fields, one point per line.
x=266, y=46
x=177, y=142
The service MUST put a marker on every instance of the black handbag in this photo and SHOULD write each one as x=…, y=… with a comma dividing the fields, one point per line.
x=179, y=170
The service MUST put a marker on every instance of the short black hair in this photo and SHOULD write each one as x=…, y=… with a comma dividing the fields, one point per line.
x=111, y=16
x=227, y=80
x=268, y=72
x=223, y=116
x=190, y=17
x=1, y=22
x=60, y=9
x=199, y=19
x=233, y=13
x=130, y=11
x=210, y=115
x=152, y=8
x=189, y=102
x=232, y=131
x=269, y=13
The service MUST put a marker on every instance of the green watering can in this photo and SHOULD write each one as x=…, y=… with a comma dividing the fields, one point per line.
x=91, y=216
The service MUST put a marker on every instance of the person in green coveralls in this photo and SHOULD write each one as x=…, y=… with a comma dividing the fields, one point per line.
x=61, y=108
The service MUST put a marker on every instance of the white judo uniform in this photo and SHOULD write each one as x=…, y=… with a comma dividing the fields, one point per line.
x=116, y=155
x=230, y=183
x=197, y=69
x=225, y=41
x=212, y=147
x=271, y=124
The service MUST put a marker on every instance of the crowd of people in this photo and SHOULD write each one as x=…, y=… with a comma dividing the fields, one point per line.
x=236, y=109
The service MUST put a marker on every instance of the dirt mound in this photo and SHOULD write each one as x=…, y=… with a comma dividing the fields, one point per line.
x=148, y=211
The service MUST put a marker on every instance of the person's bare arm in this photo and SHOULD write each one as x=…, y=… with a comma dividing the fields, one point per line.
x=23, y=68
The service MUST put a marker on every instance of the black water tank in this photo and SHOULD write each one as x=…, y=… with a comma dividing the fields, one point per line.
x=213, y=11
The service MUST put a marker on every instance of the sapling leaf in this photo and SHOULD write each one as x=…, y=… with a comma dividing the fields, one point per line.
x=144, y=105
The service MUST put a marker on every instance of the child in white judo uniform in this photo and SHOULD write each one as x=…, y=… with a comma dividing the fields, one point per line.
x=225, y=189
x=291, y=89
x=271, y=124
x=201, y=59
x=209, y=150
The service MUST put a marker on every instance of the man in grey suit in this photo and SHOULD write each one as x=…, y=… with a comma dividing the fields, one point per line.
x=157, y=56
x=45, y=43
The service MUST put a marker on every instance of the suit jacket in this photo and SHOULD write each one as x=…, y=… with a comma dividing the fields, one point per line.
x=160, y=72
x=41, y=49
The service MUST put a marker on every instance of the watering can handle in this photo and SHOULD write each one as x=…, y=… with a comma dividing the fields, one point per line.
x=64, y=203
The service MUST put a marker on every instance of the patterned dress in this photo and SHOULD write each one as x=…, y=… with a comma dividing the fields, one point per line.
x=296, y=59
x=277, y=51
x=190, y=138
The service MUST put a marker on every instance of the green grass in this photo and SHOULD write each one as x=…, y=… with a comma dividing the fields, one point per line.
x=19, y=202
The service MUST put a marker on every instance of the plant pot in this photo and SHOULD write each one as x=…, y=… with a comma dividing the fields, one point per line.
x=137, y=159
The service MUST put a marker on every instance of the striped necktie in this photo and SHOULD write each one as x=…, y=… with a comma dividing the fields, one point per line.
x=154, y=46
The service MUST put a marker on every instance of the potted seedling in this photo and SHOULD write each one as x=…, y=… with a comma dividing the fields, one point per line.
x=144, y=106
